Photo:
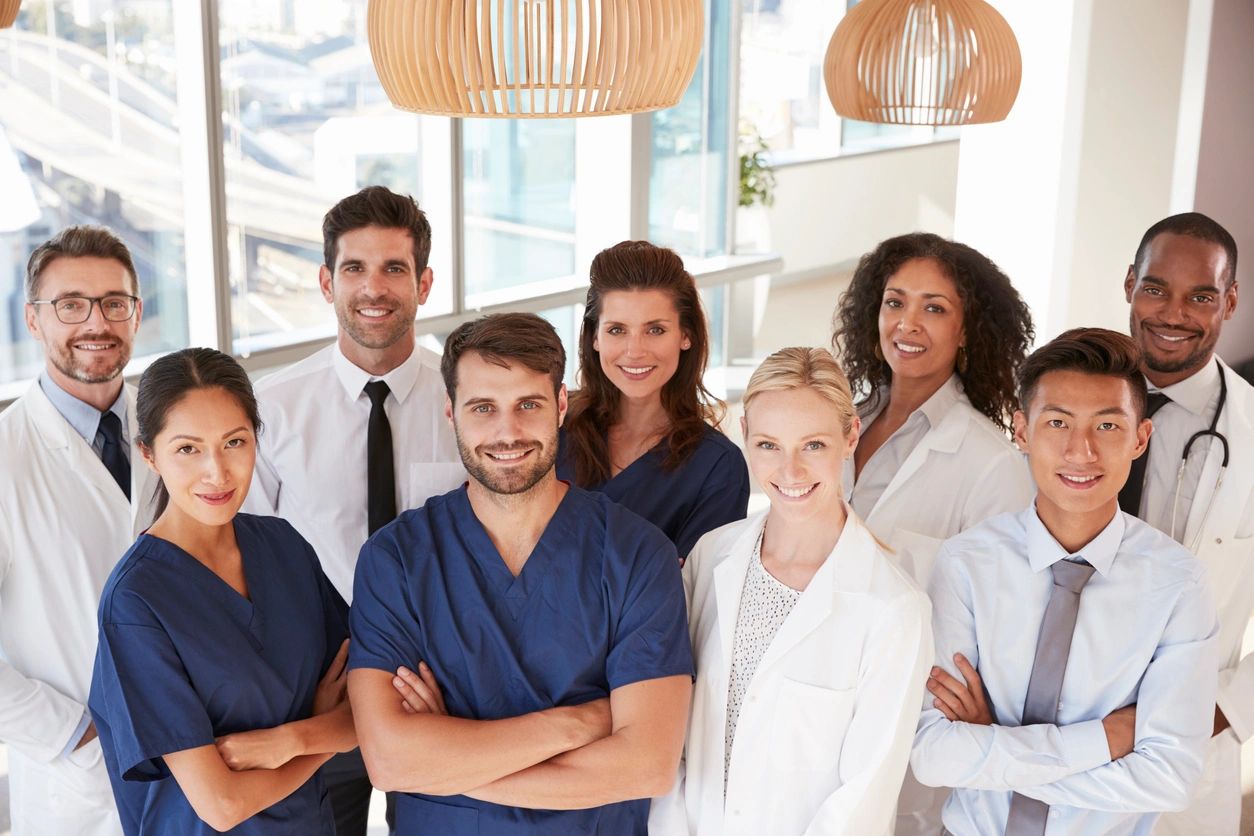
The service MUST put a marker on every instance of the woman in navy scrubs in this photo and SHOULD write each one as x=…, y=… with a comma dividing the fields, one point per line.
x=642, y=428
x=218, y=688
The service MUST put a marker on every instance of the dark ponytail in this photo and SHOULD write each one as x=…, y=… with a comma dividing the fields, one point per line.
x=171, y=378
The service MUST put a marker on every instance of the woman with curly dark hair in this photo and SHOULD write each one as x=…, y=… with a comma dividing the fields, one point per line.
x=931, y=332
x=642, y=428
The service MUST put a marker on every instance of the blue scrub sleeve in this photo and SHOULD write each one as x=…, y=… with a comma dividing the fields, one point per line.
x=334, y=611
x=724, y=498
x=149, y=704
x=650, y=638
x=385, y=630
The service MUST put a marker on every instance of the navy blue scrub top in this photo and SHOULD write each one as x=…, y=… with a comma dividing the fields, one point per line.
x=707, y=491
x=183, y=658
x=599, y=604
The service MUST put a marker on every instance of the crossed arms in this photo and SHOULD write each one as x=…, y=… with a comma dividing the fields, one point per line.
x=562, y=758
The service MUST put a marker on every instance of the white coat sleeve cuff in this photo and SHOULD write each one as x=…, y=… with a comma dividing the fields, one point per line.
x=1084, y=745
x=79, y=731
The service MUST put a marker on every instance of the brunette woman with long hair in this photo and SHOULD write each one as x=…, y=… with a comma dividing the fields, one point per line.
x=642, y=427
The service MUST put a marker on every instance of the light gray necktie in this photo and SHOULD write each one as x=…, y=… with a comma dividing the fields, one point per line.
x=1027, y=815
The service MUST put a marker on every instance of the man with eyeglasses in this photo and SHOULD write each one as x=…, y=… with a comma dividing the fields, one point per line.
x=70, y=506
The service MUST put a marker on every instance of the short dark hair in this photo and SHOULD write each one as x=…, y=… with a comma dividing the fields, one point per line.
x=77, y=242
x=376, y=206
x=1095, y=351
x=500, y=338
x=1194, y=225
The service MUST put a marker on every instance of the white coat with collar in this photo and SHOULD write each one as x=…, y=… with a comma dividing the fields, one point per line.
x=1220, y=531
x=963, y=471
x=826, y=726
x=63, y=526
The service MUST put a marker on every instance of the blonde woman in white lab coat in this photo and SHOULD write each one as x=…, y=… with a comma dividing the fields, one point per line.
x=812, y=646
x=932, y=332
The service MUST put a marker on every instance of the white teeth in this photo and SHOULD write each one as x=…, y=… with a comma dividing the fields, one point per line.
x=1170, y=339
x=795, y=493
x=1078, y=480
x=909, y=349
x=93, y=346
x=373, y=312
x=640, y=370
x=508, y=457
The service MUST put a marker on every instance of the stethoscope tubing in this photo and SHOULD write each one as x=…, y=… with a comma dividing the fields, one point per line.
x=1211, y=432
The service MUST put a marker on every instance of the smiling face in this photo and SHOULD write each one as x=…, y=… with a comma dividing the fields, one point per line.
x=204, y=455
x=1081, y=433
x=796, y=451
x=920, y=322
x=506, y=422
x=376, y=289
x=1180, y=301
x=92, y=352
x=639, y=341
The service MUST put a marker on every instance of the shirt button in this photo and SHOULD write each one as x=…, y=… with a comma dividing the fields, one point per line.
x=1219, y=541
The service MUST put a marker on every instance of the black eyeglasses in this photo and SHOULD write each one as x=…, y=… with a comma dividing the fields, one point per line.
x=73, y=310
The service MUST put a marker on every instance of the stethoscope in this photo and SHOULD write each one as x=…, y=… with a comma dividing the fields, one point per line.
x=1212, y=432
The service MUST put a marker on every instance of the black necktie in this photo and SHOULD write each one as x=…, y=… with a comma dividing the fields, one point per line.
x=380, y=471
x=1130, y=494
x=112, y=453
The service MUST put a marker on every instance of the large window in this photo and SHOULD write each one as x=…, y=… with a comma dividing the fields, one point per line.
x=88, y=105
x=213, y=135
x=305, y=122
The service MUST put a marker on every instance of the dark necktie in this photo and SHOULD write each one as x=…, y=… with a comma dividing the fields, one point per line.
x=1027, y=815
x=1130, y=493
x=112, y=453
x=380, y=471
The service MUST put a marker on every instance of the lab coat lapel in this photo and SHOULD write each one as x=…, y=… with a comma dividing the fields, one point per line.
x=1235, y=425
x=68, y=448
x=944, y=438
x=729, y=582
x=846, y=570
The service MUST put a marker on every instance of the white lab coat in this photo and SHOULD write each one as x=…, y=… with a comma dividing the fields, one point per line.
x=1224, y=541
x=826, y=726
x=63, y=526
x=963, y=471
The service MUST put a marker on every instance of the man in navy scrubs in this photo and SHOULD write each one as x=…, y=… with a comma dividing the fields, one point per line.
x=520, y=660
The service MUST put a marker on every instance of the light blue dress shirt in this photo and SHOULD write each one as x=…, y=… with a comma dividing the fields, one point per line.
x=1145, y=634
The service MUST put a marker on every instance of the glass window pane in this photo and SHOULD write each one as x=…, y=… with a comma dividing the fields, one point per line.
x=305, y=123
x=89, y=135
x=519, y=203
x=688, y=186
x=782, y=95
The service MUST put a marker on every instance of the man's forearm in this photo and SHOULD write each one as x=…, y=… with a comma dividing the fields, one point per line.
x=628, y=764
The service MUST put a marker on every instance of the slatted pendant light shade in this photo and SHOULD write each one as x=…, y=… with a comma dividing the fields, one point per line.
x=923, y=62
x=8, y=12
x=535, y=58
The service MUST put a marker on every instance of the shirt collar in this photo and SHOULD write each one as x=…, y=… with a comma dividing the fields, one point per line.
x=1044, y=551
x=1195, y=392
x=933, y=409
x=400, y=380
x=83, y=417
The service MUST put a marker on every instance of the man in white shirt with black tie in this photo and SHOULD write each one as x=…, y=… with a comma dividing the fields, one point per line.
x=356, y=433
x=1182, y=287
x=1075, y=645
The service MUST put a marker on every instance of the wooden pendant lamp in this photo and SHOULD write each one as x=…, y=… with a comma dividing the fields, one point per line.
x=535, y=58
x=8, y=12
x=923, y=62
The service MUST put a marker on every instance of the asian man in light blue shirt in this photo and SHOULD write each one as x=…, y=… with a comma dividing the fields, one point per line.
x=1075, y=684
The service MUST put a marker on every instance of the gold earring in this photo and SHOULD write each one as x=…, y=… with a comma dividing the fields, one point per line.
x=962, y=359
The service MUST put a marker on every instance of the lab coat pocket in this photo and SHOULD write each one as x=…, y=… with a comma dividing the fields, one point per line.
x=428, y=479
x=87, y=756
x=809, y=726
x=915, y=553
